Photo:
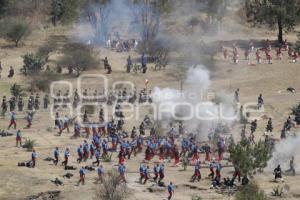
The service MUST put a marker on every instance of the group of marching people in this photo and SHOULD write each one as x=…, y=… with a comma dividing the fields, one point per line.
x=267, y=49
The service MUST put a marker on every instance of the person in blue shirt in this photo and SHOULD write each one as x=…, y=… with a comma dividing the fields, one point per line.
x=170, y=190
x=81, y=175
x=121, y=170
x=161, y=173
x=13, y=120
x=104, y=148
x=197, y=174
x=146, y=174
x=80, y=154
x=141, y=170
x=18, y=138
x=92, y=149
x=67, y=155
x=33, y=158
x=97, y=155
x=56, y=156
x=156, y=172
x=100, y=172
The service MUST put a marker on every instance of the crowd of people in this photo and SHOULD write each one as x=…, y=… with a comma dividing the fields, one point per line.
x=108, y=137
x=270, y=52
x=103, y=137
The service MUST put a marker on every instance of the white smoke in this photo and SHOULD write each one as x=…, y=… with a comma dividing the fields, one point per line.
x=196, y=84
x=284, y=150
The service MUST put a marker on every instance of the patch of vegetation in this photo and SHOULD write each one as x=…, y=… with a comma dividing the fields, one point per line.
x=111, y=188
x=29, y=144
x=32, y=64
x=17, y=91
x=44, y=50
x=197, y=197
x=251, y=192
x=107, y=158
x=43, y=81
x=248, y=158
x=282, y=15
x=65, y=11
x=14, y=30
x=79, y=57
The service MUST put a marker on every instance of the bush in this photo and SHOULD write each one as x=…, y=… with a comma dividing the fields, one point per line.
x=248, y=158
x=32, y=64
x=44, y=50
x=111, y=188
x=250, y=192
x=79, y=57
x=43, y=81
x=15, y=31
x=196, y=197
x=107, y=158
x=16, y=90
x=29, y=144
x=277, y=191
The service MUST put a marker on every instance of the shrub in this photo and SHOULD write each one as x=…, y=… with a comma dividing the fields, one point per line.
x=107, y=158
x=29, y=144
x=79, y=57
x=277, y=191
x=250, y=192
x=32, y=64
x=247, y=157
x=43, y=81
x=46, y=49
x=16, y=90
x=196, y=197
x=111, y=188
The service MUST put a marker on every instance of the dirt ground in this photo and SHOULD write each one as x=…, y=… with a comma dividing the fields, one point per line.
x=20, y=182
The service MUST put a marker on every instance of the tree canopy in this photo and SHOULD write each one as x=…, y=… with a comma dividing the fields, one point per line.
x=282, y=15
x=247, y=158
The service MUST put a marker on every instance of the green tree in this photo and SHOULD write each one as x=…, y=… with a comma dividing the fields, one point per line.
x=280, y=14
x=3, y=7
x=16, y=90
x=16, y=31
x=65, y=11
x=79, y=57
x=247, y=158
x=32, y=64
x=56, y=11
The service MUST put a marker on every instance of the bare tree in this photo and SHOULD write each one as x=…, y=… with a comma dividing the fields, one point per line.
x=111, y=188
x=148, y=17
x=97, y=13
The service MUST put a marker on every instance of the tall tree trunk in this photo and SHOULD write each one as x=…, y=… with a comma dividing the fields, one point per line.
x=280, y=30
